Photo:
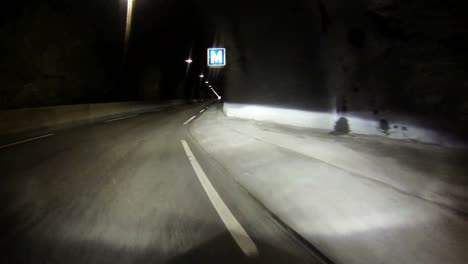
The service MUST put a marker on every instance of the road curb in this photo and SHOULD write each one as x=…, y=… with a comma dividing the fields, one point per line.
x=295, y=235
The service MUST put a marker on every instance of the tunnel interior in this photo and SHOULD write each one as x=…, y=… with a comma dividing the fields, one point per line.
x=335, y=138
x=368, y=55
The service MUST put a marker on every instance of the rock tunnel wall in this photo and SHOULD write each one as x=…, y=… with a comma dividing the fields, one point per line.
x=59, y=52
x=382, y=58
x=62, y=52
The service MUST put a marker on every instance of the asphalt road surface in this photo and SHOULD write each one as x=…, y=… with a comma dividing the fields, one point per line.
x=131, y=190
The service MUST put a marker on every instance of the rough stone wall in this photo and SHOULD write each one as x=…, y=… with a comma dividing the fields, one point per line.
x=58, y=52
x=336, y=55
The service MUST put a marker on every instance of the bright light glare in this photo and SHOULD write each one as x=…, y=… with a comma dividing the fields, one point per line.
x=201, y=76
x=128, y=27
x=189, y=60
x=207, y=82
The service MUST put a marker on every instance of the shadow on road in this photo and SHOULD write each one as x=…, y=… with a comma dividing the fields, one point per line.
x=30, y=245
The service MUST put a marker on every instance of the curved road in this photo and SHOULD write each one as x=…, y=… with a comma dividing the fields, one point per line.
x=132, y=190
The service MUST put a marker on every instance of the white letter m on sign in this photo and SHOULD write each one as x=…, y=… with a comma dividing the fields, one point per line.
x=216, y=57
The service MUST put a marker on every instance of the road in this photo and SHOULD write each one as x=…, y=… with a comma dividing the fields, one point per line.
x=131, y=190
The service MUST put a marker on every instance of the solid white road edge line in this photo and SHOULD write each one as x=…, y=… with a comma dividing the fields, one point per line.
x=237, y=231
x=27, y=140
x=188, y=121
x=120, y=118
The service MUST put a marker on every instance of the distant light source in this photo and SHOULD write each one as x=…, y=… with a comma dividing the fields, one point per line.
x=128, y=27
x=217, y=95
x=201, y=76
x=207, y=82
x=189, y=60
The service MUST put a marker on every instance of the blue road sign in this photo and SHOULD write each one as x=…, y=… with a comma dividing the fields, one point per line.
x=216, y=57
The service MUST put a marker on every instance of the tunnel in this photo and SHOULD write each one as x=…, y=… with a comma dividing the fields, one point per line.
x=336, y=131
x=315, y=55
x=324, y=56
